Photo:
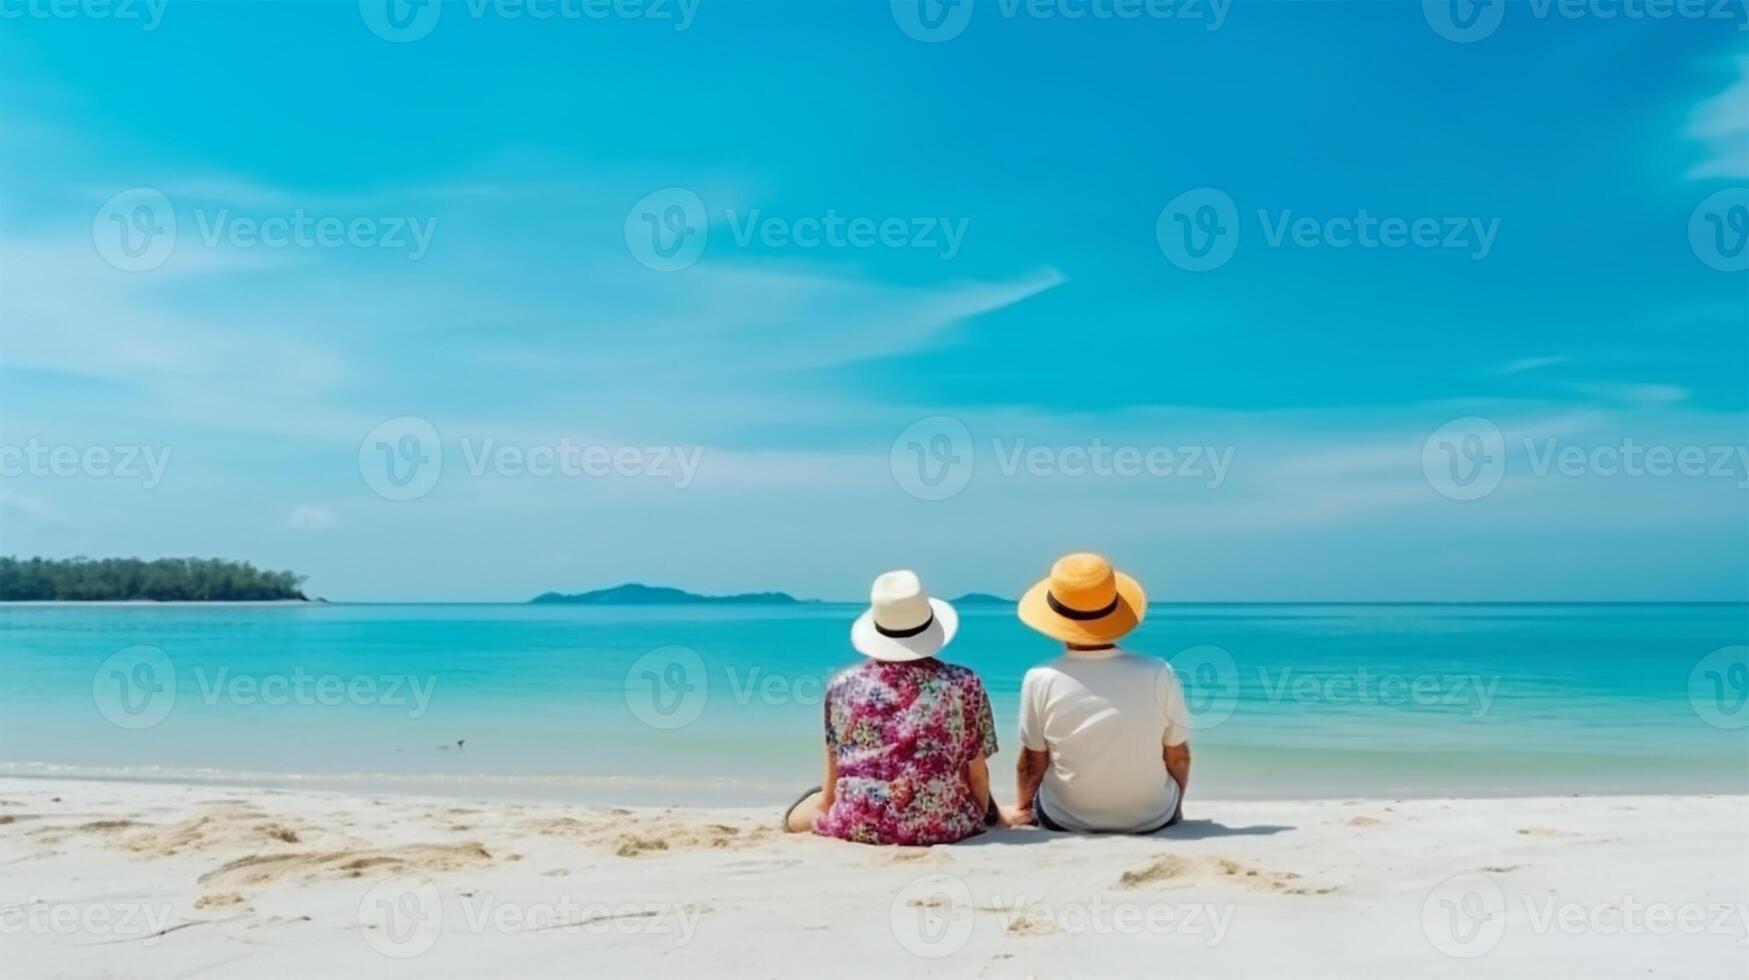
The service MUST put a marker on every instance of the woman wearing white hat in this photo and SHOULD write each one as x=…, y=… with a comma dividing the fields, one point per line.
x=907, y=735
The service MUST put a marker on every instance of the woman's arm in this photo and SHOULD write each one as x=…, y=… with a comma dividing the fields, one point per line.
x=978, y=777
x=829, y=782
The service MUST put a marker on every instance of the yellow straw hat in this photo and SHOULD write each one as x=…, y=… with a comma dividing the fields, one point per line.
x=1084, y=601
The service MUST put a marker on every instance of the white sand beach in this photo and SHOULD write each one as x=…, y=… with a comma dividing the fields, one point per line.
x=106, y=879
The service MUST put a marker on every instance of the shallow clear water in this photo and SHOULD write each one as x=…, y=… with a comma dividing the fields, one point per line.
x=695, y=704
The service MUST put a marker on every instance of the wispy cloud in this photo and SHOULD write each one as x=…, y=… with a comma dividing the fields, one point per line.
x=1721, y=124
x=1643, y=393
x=309, y=517
x=1523, y=364
x=31, y=506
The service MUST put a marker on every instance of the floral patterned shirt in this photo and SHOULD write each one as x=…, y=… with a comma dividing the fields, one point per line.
x=903, y=734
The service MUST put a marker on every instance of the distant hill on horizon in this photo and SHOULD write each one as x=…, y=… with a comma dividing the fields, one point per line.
x=980, y=599
x=637, y=594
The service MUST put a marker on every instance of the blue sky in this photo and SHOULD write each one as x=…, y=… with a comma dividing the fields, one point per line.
x=1574, y=170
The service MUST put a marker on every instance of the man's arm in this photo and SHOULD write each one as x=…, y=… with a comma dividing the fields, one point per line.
x=1029, y=772
x=1177, y=759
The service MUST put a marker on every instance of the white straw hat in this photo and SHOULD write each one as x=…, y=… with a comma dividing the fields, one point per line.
x=902, y=622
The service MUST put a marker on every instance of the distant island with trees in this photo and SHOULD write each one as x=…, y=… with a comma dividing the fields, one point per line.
x=134, y=579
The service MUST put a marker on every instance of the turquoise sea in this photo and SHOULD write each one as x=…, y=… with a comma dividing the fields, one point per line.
x=722, y=704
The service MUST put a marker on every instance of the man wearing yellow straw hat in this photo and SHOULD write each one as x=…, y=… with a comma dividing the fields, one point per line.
x=1105, y=736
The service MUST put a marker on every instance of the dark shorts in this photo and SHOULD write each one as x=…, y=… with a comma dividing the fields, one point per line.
x=1045, y=821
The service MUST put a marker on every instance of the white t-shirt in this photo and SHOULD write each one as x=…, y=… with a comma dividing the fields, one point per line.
x=1104, y=715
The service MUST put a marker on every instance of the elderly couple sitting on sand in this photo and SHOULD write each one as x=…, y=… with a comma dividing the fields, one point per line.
x=1105, y=737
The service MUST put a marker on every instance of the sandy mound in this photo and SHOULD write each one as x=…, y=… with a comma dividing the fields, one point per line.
x=1176, y=870
x=1544, y=832
x=257, y=870
x=642, y=835
x=222, y=830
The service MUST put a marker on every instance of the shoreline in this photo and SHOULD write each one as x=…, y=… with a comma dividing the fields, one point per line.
x=137, y=880
x=581, y=789
x=1005, y=606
